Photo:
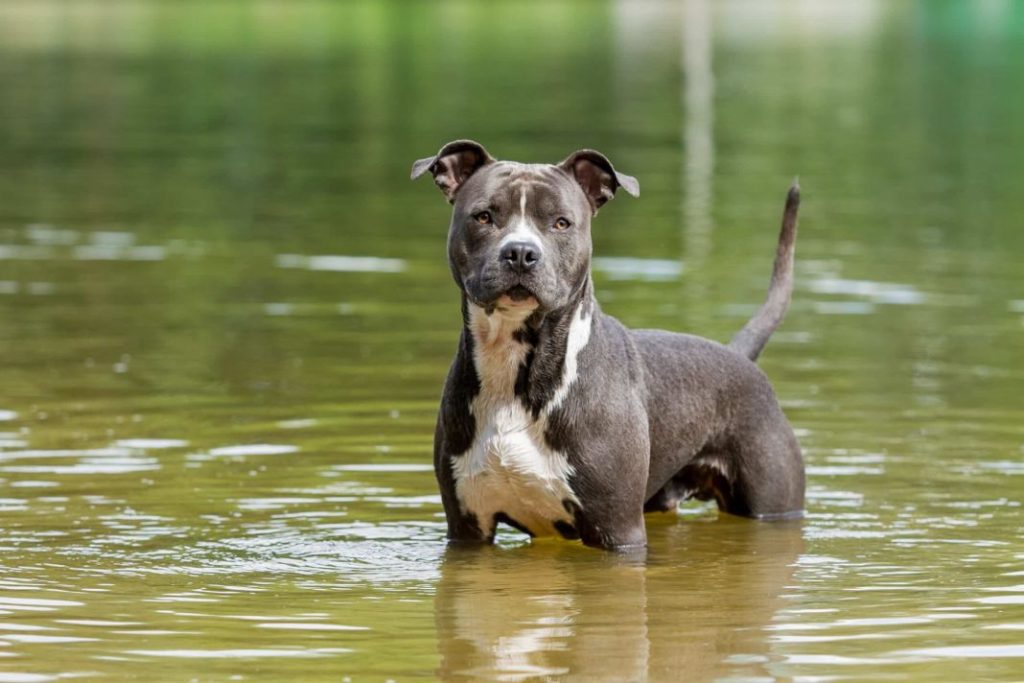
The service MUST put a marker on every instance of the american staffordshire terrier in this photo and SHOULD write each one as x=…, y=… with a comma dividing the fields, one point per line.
x=558, y=420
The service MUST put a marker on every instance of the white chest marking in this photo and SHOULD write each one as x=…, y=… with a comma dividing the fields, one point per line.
x=510, y=468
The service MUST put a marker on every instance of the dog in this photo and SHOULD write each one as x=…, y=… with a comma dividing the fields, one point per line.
x=556, y=419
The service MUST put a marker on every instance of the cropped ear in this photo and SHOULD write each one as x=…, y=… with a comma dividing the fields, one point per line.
x=452, y=165
x=598, y=177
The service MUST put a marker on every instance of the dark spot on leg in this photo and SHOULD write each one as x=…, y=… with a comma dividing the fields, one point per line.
x=567, y=531
x=526, y=335
x=501, y=517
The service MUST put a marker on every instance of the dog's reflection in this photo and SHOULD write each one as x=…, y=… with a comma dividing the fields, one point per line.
x=694, y=608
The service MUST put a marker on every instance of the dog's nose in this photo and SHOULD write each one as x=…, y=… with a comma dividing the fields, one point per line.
x=520, y=256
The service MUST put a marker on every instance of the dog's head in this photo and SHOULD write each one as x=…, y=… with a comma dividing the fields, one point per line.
x=520, y=233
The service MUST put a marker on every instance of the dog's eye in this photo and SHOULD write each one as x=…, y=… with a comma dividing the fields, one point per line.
x=562, y=224
x=483, y=218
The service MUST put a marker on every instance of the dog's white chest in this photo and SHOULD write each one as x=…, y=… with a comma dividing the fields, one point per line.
x=510, y=470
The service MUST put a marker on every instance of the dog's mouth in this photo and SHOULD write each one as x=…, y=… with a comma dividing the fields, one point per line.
x=517, y=302
x=520, y=294
x=511, y=294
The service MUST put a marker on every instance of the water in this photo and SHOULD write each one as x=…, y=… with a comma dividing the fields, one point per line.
x=225, y=318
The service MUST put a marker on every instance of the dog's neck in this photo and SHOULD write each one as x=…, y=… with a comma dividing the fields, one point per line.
x=528, y=354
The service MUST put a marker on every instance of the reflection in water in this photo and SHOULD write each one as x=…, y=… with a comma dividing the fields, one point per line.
x=698, y=138
x=626, y=268
x=342, y=264
x=696, y=607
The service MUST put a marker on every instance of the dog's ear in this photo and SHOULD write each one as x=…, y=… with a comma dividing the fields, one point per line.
x=598, y=177
x=452, y=165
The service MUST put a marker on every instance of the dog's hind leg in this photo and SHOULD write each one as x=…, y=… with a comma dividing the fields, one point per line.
x=768, y=482
x=761, y=477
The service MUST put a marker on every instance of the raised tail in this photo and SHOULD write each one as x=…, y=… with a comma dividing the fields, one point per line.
x=750, y=341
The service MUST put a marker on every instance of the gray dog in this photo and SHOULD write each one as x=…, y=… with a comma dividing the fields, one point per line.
x=556, y=419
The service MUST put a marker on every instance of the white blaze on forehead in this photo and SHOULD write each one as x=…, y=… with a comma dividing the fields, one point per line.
x=521, y=228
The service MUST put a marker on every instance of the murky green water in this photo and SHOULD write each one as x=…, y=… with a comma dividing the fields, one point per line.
x=225, y=319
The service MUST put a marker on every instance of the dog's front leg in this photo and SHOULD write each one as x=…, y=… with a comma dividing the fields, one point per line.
x=610, y=480
x=463, y=527
x=624, y=536
x=616, y=525
x=464, y=530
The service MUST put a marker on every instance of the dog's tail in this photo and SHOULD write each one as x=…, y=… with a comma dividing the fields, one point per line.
x=752, y=338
